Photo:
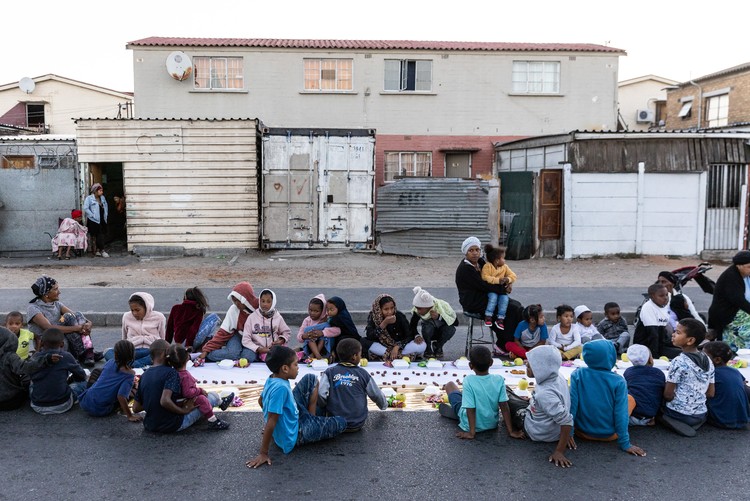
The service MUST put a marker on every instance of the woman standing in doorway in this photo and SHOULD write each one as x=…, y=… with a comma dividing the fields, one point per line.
x=95, y=207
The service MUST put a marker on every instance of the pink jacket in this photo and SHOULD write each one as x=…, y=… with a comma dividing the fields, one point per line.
x=144, y=332
x=307, y=322
x=261, y=332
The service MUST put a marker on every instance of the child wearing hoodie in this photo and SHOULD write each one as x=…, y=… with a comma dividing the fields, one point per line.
x=227, y=342
x=548, y=417
x=190, y=318
x=141, y=326
x=599, y=400
x=645, y=385
x=437, y=318
x=729, y=407
x=264, y=329
x=312, y=331
x=50, y=391
x=14, y=372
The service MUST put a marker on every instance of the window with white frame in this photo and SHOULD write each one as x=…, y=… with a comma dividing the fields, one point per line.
x=717, y=113
x=328, y=75
x=536, y=77
x=408, y=75
x=217, y=73
x=407, y=163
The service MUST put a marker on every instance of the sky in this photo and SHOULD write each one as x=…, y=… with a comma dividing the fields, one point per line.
x=85, y=40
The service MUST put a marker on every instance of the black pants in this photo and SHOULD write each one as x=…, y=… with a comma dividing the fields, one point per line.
x=97, y=232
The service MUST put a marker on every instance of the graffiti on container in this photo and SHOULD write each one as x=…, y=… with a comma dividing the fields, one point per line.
x=412, y=198
x=278, y=186
x=301, y=186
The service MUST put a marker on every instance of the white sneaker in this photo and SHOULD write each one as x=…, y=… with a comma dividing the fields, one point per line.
x=104, y=254
x=98, y=254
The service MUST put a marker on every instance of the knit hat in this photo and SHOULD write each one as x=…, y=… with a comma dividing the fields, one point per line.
x=669, y=276
x=638, y=354
x=580, y=310
x=95, y=187
x=422, y=298
x=468, y=243
x=742, y=257
x=75, y=214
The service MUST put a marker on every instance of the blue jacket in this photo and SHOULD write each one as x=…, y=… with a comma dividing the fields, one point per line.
x=91, y=208
x=598, y=396
x=646, y=386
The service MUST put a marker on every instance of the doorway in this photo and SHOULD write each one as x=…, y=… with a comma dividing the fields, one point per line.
x=110, y=175
x=458, y=164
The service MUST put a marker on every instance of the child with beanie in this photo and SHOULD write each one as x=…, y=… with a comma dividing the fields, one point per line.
x=437, y=318
x=645, y=385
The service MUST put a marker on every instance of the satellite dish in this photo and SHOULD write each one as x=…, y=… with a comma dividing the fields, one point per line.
x=27, y=85
x=179, y=65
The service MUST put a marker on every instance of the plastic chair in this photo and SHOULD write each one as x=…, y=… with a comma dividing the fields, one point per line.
x=483, y=338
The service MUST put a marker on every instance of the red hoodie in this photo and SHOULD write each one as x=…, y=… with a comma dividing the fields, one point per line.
x=234, y=321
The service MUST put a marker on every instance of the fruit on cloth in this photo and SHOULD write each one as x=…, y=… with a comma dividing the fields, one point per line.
x=624, y=357
x=406, y=359
x=666, y=359
x=523, y=384
x=243, y=362
x=518, y=361
x=363, y=362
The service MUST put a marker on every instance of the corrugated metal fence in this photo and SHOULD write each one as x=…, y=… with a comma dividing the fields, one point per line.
x=431, y=217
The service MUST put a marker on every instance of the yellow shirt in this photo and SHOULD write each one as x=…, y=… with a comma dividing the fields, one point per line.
x=25, y=342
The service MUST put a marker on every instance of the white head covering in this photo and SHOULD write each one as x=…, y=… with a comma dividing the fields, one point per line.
x=422, y=298
x=580, y=309
x=468, y=243
x=638, y=354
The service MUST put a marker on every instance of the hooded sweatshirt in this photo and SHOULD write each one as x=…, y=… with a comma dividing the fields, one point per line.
x=549, y=407
x=309, y=322
x=234, y=320
x=598, y=396
x=262, y=328
x=144, y=332
x=14, y=372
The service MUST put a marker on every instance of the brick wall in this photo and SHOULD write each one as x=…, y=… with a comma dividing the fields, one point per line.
x=739, y=101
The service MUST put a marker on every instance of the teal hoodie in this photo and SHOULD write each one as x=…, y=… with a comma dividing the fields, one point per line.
x=598, y=396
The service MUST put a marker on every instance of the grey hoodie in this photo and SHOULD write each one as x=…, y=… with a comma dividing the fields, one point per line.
x=549, y=407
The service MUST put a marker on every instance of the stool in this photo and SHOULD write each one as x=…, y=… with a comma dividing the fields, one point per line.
x=471, y=340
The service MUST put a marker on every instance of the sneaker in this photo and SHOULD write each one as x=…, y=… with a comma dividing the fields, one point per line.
x=677, y=426
x=226, y=401
x=218, y=425
x=488, y=321
x=99, y=254
x=104, y=254
x=446, y=410
x=499, y=324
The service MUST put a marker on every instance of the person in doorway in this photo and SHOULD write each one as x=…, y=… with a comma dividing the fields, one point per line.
x=95, y=207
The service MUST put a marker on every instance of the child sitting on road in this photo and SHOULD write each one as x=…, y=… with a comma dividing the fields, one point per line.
x=264, y=329
x=652, y=321
x=14, y=372
x=178, y=357
x=585, y=324
x=530, y=333
x=289, y=416
x=599, y=400
x=476, y=409
x=729, y=406
x=141, y=326
x=50, y=392
x=389, y=333
x=114, y=386
x=341, y=324
x=312, y=331
x=645, y=385
x=690, y=380
x=14, y=323
x=438, y=321
x=344, y=388
x=564, y=334
x=188, y=320
x=495, y=271
x=614, y=328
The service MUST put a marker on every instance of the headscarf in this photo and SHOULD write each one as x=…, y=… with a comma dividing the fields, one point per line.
x=742, y=257
x=469, y=243
x=670, y=276
x=75, y=214
x=42, y=286
x=342, y=320
x=377, y=314
x=269, y=313
x=243, y=291
x=95, y=187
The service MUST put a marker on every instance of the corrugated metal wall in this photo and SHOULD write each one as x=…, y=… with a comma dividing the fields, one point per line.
x=431, y=217
x=188, y=183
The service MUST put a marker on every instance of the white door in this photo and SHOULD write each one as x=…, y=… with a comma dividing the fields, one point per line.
x=723, y=202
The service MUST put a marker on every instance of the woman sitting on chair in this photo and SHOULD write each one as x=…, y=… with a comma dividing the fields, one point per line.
x=71, y=234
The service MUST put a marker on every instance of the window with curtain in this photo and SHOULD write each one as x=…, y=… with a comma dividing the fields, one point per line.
x=718, y=110
x=218, y=73
x=328, y=75
x=536, y=77
x=407, y=163
x=408, y=75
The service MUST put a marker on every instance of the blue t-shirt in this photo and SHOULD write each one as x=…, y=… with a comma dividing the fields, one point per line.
x=646, y=386
x=528, y=338
x=482, y=393
x=729, y=407
x=153, y=382
x=277, y=397
x=101, y=398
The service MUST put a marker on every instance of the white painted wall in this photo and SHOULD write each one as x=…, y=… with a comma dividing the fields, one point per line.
x=471, y=92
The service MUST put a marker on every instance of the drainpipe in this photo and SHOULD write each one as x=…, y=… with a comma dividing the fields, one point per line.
x=700, y=102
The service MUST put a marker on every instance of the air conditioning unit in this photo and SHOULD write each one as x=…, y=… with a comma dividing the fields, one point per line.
x=644, y=116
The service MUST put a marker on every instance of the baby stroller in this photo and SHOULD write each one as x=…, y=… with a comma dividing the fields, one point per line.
x=697, y=273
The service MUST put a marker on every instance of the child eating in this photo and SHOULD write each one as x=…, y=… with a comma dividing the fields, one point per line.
x=437, y=318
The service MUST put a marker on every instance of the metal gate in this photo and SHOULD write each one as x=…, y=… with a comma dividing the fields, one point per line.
x=726, y=185
x=317, y=188
x=517, y=196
